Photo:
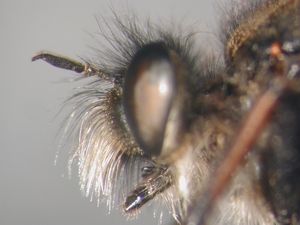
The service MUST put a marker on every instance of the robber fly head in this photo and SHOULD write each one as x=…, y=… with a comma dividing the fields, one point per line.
x=219, y=143
x=140, y=120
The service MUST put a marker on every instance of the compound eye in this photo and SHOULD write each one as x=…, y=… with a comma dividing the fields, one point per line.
x=149, y=87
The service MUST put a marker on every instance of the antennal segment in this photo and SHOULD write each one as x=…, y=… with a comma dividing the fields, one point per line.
x=64, y=62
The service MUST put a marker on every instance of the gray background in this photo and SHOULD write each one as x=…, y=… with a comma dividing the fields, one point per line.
x=32, y=189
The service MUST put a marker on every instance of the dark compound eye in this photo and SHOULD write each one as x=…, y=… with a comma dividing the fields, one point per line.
x=150, y=84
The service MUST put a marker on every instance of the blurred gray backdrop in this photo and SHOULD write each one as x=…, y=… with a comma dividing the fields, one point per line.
x=32, y=189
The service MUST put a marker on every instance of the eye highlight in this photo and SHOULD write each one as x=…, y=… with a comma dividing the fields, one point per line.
x=149, y=87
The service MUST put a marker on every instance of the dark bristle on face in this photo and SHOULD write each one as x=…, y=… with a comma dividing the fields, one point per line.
x=215, y=139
